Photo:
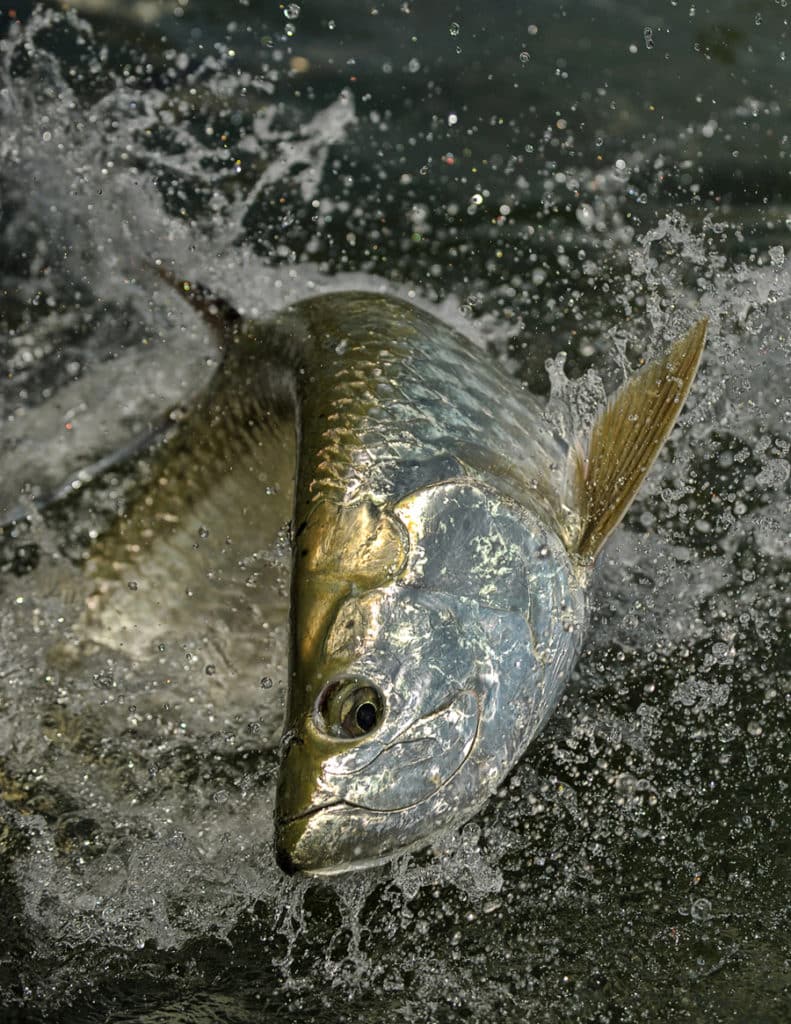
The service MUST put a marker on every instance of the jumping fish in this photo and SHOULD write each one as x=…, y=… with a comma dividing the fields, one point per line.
x=444, y=535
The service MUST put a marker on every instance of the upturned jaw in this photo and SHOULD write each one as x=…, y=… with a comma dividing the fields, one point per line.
x=318, y=832
x=292, y=846
x=322, y=841
x=336, y=839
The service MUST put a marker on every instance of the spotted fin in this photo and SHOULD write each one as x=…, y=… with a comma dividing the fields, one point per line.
x=608, y=469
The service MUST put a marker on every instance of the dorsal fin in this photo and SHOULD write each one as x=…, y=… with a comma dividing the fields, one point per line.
x=627, y=437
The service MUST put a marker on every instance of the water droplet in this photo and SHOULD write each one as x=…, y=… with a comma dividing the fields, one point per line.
x=266, y=683
x=132, y=584
x=211, y=670
x=700, y=910
x=104, y=680
x=221, y=796
x=203, y=533
x=585, y=215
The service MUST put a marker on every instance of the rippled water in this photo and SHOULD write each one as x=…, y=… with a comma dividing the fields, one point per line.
x=580, y=181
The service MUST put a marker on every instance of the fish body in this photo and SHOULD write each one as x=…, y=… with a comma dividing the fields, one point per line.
x=443, y=535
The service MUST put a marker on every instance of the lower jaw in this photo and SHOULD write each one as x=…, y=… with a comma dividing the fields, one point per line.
x=288, y=857
x=353, y=865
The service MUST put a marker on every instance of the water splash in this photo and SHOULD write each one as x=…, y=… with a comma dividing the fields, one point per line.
x=136, y=796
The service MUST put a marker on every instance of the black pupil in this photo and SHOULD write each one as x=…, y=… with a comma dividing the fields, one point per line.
x=366, y=716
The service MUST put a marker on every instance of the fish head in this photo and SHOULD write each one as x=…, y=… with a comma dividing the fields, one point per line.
x=394, y=720
x=412, y=694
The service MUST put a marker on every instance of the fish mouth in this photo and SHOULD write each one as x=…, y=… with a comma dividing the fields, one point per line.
x=298, y=852
x=289, y=835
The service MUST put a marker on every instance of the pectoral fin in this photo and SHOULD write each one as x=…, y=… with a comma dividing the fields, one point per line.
x=609, y=467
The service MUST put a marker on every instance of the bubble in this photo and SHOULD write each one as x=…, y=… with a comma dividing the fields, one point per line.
x=132, y=585
x=266, y=683
x=700, y=910
x=454, y=28
x=524, y=56
x=291, y=11
x=585, y=215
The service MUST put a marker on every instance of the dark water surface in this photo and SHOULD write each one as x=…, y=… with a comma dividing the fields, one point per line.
x=583, y=179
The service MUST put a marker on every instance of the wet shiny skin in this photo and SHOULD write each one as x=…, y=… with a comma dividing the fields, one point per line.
x=427, y=563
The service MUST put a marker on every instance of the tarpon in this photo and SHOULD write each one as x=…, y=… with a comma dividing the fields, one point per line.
x=444, y=535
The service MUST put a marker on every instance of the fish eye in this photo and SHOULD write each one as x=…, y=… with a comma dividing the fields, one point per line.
x=348, y=708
